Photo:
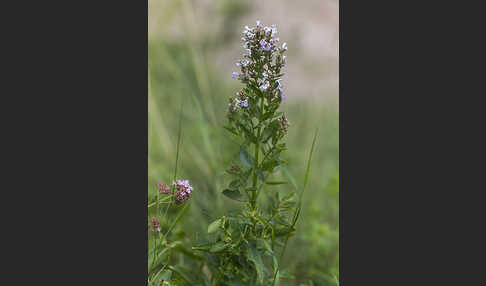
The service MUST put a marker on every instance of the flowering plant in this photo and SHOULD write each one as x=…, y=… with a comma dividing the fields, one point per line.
x=246, y=247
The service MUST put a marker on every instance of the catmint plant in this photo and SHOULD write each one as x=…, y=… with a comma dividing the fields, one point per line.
x=244, y=246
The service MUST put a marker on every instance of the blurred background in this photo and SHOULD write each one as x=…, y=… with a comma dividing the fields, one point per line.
x=193, y=47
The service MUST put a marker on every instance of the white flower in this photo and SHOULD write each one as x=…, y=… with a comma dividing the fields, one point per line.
x=284, y=46
x=274, y=30
x=264, y=86
x=245, y=62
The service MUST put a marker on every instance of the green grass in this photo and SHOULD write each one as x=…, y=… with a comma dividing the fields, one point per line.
x=180, y=74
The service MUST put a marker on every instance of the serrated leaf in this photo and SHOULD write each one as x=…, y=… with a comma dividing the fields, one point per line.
x=214, y=226
x=235, y=195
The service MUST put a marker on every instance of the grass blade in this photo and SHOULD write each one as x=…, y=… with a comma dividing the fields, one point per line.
x=297, y=210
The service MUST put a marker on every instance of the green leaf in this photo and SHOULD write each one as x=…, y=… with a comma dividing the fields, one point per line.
x=254, y=256
x=183, y=273
x=161, y=276
x=165, y=276
x=277, y=114
x=276, y=269
x=270, y=165
x=214, y=226
x=245, y=158
x=267, y=115
x=276, y=183
x=235, y=195
x=230, y=129
x=218, y=246
x=235, y=184
x=267, y=246
x=260, y=175
x=286, y=275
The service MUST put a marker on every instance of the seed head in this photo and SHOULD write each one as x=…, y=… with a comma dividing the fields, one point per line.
x=284, y=123
x=163, y=188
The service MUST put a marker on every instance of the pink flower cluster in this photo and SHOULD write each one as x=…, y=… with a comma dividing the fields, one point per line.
x=163, y=188
x=182, y=190
x=155, y=224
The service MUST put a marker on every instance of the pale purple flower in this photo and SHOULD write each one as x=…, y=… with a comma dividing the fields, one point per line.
x=235, y=75
x=244, y=102
x=183, y=190
x=284, y=46
x=274, y=40
x=267, y=30
x=265, y=46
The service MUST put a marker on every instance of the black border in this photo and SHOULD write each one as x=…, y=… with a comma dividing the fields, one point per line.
x=77, y=143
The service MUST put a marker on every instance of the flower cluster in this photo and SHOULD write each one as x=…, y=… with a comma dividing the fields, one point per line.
x=239, y=101
x=155, y=224
x=261, y=65
x=163, y=188
x=182, y=190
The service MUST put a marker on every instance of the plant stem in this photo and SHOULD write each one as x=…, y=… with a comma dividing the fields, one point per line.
x=257, y=152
